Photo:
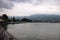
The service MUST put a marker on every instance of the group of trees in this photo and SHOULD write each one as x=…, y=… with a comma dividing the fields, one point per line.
x=20, y=20
x=8, y=20
x=5, y=17
x=15, y=20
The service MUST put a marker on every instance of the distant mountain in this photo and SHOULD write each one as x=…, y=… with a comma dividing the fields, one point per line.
x=40, y=17
x=44, y=17
x=17, y=17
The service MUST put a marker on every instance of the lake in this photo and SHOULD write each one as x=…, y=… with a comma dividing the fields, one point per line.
x=35, y=31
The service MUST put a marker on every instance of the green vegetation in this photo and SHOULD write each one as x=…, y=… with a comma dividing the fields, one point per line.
x=26, y=20
x=5, y=20
x=4, y=26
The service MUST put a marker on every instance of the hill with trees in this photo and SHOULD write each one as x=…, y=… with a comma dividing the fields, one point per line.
x=44, y=18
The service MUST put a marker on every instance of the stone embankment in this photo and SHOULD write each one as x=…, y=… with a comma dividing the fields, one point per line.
x=4, y=35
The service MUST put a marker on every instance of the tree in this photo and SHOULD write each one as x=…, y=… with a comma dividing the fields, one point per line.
x=14, y=19
x=26, y=20
x=5, y=17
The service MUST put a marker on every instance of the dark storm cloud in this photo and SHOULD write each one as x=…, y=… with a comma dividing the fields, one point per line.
x=5, y=5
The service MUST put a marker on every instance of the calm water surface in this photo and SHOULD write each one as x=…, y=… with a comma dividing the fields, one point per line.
x=35, y=31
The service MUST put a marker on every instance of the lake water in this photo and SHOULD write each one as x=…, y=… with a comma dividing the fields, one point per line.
x=35, y=31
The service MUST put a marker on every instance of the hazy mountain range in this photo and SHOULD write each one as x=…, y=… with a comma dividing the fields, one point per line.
x=42, y=17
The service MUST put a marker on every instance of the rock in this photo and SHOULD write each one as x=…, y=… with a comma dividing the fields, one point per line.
x=4, y=35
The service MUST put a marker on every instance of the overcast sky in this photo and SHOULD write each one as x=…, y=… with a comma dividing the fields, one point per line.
x=29, y=7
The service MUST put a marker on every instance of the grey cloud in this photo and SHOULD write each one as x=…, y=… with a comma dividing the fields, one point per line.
x=57, y=2
x=5, y=5
x=39, y=2
x=9, y=5
x=30, y=1
x=20, y=0
x=52, y=2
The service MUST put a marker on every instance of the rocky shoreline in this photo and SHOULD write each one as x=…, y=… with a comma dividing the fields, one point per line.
x=4, y=35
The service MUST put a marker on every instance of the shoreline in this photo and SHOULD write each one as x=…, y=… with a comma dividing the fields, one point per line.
x=4, y=35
